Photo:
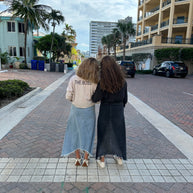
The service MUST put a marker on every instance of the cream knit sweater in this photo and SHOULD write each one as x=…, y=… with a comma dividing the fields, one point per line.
x=80, y=91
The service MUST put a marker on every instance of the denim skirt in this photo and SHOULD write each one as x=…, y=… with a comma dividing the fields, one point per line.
x=80, y=131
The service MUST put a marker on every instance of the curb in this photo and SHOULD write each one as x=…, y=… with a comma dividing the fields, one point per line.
x=10, y=107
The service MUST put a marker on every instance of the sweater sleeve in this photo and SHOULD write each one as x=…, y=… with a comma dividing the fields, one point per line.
x=97, y=96
x=125, y=99
x=70, y=90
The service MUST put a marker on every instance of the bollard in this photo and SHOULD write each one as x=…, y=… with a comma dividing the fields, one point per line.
x=65, y=68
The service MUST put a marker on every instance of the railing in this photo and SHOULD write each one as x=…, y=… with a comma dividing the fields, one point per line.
x=166, y=3
x=140, y=18
x=138, y=33
x=180, y=20
x=146, y=30
x=180, y=0
x=141, y=43
x=165, y=23
x=167, y=40
x=141, y=2
x=154, y=27
x=151, y=12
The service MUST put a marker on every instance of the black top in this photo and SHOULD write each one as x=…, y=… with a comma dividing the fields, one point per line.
x=106, y=97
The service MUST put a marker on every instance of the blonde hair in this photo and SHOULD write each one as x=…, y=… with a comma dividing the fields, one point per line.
x=88, y=70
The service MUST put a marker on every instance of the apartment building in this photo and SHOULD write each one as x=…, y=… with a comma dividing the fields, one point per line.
x=12, y=37
x=98, y=29
x=172, y=19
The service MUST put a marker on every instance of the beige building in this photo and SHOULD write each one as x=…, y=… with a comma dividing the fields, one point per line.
x=162, y=24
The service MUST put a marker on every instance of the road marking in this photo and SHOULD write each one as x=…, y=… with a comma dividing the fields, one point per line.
x=64, y=170
x=173, y=133
x=15, y=115
x=188, y=93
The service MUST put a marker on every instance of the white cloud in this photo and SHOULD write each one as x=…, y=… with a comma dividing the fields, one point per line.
x=79, y=13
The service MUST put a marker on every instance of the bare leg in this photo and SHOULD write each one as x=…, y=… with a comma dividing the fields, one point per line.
x=86, y=155
x=77, y=154
x=102, y=158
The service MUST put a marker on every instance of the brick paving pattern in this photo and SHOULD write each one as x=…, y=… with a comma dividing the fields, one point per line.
x=40, y=136
x=171, y=97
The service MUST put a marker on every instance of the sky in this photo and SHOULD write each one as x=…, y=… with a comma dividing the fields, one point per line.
x=79, y=13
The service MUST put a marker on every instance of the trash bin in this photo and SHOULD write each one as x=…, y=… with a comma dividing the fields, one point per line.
x=41, y=65
x=52, y=67
x=61, y=67
x=34, y=64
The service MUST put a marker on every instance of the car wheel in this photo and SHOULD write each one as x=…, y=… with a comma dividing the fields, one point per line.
x=133, y=76
x=183, y=76
x=154, y=72
x=168, y=74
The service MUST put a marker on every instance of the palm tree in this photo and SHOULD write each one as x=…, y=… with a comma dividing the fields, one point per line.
x=33, y=14
x=107, y=41
x=116, y=38
x=126, y=29
x=69, y=33
x=55, y=17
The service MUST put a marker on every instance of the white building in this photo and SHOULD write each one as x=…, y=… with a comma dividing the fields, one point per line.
x=12, y=37
x=98, y=29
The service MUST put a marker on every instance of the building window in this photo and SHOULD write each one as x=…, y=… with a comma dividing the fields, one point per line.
x=178, y=39
x=11, y=26
x=28, y=52
x=21, y=51
x=21, y=27
x=12, y=51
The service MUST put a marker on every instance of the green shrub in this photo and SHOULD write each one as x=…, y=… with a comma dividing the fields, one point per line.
x=187, y=54
x=12, y=88
x=23, y=66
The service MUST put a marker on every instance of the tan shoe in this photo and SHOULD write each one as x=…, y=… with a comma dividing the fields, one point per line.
x=118, y=160
x=77, y=162
x=85, y=163
x=101, y=164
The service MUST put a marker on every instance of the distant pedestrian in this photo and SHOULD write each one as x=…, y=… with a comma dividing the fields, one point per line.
x=112, y=92
x=80, y=131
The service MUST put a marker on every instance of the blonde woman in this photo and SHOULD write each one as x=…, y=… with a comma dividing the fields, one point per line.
x=80, y=131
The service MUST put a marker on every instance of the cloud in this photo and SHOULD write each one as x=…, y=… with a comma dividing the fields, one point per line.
x=79, y=13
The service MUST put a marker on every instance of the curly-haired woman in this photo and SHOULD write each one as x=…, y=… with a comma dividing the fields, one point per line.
x=80, y=131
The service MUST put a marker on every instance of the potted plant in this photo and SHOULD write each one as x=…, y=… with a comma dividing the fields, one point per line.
x=17, y=63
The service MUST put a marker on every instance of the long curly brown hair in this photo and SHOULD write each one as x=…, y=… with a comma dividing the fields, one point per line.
x=112, y=79
x=89, y=70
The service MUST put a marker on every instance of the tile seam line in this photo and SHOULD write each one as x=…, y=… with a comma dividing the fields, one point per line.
x=180, y=139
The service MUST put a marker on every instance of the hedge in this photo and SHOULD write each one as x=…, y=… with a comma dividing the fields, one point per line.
x=12, y=88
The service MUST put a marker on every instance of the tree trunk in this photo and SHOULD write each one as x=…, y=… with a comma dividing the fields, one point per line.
x=25, y=43
x=124, y=45
x=52, y=43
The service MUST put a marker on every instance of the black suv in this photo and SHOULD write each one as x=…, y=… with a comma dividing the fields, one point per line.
x=170, y=69
x=128, y=68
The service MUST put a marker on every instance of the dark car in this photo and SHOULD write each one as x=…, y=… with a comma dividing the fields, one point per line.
x=128, y=68
x=171, y=69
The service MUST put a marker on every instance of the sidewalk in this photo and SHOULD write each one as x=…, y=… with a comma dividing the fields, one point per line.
x=30, y=151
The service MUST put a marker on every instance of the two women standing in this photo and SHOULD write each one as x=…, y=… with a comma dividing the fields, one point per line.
x=111, y=91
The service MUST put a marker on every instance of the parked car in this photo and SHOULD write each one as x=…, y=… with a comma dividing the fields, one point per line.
x=128, y=68
x=171, y=69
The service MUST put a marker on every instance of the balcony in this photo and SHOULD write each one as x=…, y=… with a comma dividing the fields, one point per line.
x=165, y=23
x=140, y=18
x=138, y=33
x=154, y=27
x=141, y=43
x=141, y=2
x=151, y=12
x=146, y=30
x=167, y=40
x=166, y=3
x=180, y=20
